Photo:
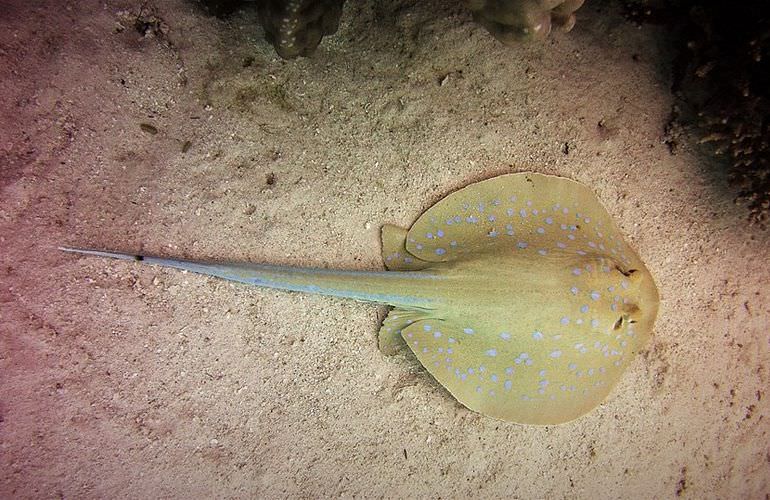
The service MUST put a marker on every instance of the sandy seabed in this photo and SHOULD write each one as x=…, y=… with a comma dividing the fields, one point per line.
x=123, y=380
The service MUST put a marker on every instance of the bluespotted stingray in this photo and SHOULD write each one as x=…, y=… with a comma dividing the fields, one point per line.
x=518, y=294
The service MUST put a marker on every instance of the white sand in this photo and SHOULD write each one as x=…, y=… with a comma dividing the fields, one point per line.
x=123, y=380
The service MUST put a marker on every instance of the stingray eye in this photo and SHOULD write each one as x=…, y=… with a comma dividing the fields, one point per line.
x=625, y=273
x=618, y=324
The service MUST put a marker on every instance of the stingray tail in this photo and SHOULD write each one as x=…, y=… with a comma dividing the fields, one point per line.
x=411, y=290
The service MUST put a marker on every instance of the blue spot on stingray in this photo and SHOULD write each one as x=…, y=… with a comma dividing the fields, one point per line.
x=440, y=251
x=469, y=331
x=549, y=220
x=440, y=233
x=584, y=308
x=491, y=352
x=427, y=328
x=537, y=335
x=595, y=295
x=555, y=354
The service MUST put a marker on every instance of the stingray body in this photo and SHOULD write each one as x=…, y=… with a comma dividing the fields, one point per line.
x=517, y=293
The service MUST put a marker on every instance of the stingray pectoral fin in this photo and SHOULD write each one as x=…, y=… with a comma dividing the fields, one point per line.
x=394, y=253
x=525, y=379
x=523, y=212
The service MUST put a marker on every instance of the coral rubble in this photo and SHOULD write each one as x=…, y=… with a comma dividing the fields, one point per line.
x=725, y=79
x=295, y=27
x=514, y=20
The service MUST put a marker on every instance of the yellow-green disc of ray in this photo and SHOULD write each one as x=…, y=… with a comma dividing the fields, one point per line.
x=525, y=212
x=541, y=305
